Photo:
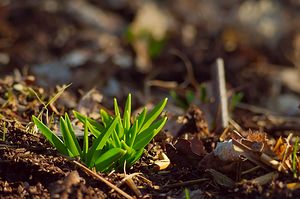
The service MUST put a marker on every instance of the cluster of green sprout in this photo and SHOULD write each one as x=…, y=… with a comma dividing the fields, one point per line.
x=191, y=97
x=116, y=139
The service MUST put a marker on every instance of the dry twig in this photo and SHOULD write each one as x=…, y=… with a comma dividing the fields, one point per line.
x=219, y=84
x=90, y=172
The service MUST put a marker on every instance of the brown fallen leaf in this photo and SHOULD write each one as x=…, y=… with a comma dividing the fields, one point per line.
x=264, y=179
x=221, y=179
x=211, y=161
x=186, y=153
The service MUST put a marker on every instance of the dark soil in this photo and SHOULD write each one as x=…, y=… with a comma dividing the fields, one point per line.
x=44, y=44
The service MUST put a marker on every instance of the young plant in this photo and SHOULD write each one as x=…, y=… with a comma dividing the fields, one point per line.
x=69, y=144
x=115, y=139
x=191, y=97
x=236, y=98
x=131, y=136
x=187, y=193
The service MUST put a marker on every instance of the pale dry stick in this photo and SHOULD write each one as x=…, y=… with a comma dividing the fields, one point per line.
x=126, y=177
x=145, y=179
x=224, y=134
x=250, y=170
x=219, y=84
x=134, y=188
x=235, y=125
x=259, y=158
x=128, y=180
x=163, y=84
x=130, y=183
x=90, y=172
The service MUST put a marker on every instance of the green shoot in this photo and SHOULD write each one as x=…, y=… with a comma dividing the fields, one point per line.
x=45, y=105
x=57, y=95
x=235, y=100
x=294, y=158
x=179, y=101
x=187, y=193
x=51, y=137
x=203, y=93
x=115, y=141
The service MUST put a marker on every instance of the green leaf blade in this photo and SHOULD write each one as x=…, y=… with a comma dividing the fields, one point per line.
x=147, y=135
x=132, y=133
x=127, y=113
x=72, y=133
x=108, y=158
x=105, y=117
x=116, y=139
x=83, y=118
x=100, y=141
x=69, y=140
x=85, y=147
x=136, y=157
x=141, y=118
x=116, y=107
x=154, y=114
x=50, y=136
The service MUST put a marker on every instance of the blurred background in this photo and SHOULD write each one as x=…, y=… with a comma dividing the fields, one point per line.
x=121, y=46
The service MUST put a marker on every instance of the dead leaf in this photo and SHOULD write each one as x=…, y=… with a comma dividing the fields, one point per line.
x=226, y=151
x=264, y=179
x=210, y=161
x=162, y=163
x=221, y=179
x=184, y=153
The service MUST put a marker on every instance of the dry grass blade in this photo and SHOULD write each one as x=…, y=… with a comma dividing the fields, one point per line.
x=128, y=180
x=264, y=179
x=250, y=170
x=57, y=95
x=90, y=172
x=259, y=158
x=133, y=187
x=37, y=96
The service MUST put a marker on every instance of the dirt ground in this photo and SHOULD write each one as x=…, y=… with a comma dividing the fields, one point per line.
x=153, y=50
